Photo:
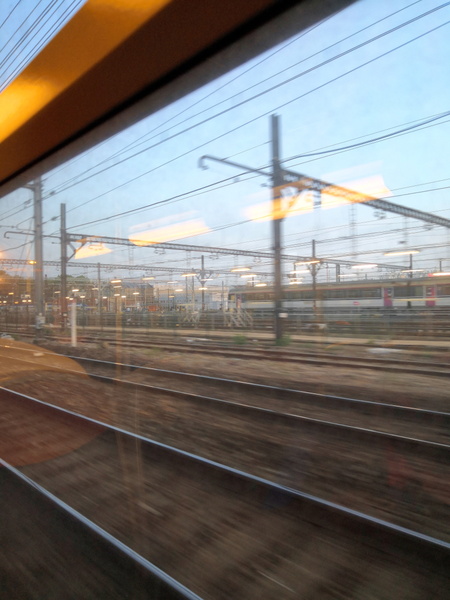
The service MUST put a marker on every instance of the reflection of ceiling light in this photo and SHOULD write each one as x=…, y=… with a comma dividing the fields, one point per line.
x=91, y=250
x=116, y=281
x=179, y=290
x=202, y=288
x=171, y=282
x=308, y=262
x=135, y=294
x=412, y=271
x=116, y=295
x=295, y=281
x=240, y=269
x=168, y=233
x=441, y=274
x=105, y=297
x=400, y=252
x=188, y=275
x=260, y=284
x=123, y=296
x=147, y=278
x=366, y=266
x=248, y=276
x=75, y=290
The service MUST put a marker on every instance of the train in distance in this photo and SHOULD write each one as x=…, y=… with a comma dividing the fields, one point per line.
x=416, y=293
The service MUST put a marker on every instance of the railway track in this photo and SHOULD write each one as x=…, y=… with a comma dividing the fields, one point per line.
x=220, y=530
x=74, y=557
x=435, y=424
x=279, y=355
x=391, y=364
x=349, y=412
x=286, y=444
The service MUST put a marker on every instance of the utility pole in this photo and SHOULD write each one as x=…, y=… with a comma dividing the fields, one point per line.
x=99, y=297
x=202, y=281
x=63, y=267
x=38, y=268
x=203, y=276
x=277, y=182
x=410, y=276
x=314, y=276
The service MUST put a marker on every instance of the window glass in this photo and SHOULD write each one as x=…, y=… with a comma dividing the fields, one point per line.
x=286, y=225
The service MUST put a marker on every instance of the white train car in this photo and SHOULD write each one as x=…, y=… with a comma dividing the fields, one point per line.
x=430, y=292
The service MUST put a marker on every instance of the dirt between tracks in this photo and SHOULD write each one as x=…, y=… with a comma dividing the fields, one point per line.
x=407, y=490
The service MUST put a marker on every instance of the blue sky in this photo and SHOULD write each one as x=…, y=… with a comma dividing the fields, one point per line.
x=335, y=104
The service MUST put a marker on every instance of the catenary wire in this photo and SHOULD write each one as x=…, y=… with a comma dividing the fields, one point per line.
x=289, y=80
x=23, y=22
x=296, y=64
x=199, y=191
x=155, y=129
x=367, y=142
x=26, y=34
x=10, y=13
x=240, y=175
x=43, y=41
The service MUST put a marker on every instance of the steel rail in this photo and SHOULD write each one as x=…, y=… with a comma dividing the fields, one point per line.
x=425, y=448
x=274, y=356
x=311, y=398
x=385, y=536
x=152, y=578
x=272, y=352
x=428, y=449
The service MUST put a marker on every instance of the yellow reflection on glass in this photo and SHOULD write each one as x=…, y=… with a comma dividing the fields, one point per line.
x=91, y=250
x=169, y=233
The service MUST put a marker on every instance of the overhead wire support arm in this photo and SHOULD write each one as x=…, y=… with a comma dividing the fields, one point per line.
x=225, y=161
x=303, y=183
x=83, y=238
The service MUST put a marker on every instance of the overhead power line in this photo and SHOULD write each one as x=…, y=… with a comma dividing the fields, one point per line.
x=208, y=188
x=86, y=238
x=370, y=141
x=156, y=130
x=271, y=89
x=10, y=13
x=68, y=12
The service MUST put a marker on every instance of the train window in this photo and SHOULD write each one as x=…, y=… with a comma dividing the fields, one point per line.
x=242, y=267
x=408, y=291
x=443, y=290
x=371, y=293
